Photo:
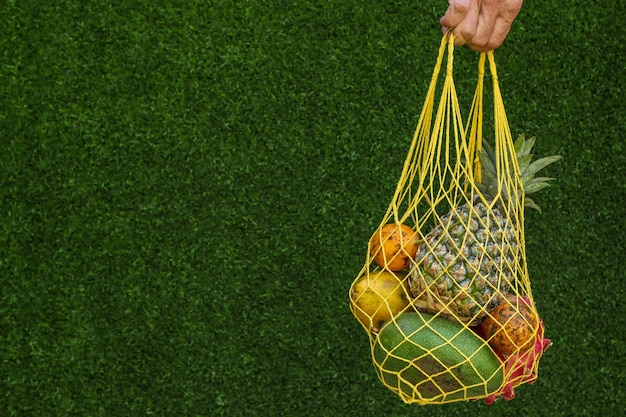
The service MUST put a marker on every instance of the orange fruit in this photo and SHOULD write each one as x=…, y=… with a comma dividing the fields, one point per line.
x=394, y=246
x=377, y=297
x=512, y=325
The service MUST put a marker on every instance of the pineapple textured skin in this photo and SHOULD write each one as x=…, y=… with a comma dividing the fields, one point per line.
x=472, y=257
x=466, y=263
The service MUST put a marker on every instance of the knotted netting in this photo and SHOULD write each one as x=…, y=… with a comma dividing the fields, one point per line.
x=444, y=294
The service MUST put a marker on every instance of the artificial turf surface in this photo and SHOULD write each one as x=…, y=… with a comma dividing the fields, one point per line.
x=187, y=189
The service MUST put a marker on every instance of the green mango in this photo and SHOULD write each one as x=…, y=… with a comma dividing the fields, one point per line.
x=428, y=359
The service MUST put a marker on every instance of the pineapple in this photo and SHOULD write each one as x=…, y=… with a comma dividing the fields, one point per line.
x=468, y=261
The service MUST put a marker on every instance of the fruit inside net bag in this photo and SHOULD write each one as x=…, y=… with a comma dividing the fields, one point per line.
x=444, y=294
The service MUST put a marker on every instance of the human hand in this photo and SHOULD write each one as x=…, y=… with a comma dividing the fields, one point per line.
x=481, y=24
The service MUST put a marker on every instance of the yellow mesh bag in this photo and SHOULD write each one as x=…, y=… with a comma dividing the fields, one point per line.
x=444, y=294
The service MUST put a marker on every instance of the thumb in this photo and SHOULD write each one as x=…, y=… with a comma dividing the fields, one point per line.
x=457, y=10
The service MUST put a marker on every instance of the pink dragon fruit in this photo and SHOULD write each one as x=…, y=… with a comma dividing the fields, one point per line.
x=521, y=368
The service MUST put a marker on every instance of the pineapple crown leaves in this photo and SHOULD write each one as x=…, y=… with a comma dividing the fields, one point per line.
x=528, y=169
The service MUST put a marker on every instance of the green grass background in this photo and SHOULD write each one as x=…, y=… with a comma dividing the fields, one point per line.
x=187, y=189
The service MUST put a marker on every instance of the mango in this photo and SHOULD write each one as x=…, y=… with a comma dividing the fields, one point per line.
x=428, y=359
x=394, y=246
x=378, y=297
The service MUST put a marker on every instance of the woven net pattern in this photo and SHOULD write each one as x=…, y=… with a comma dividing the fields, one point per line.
x=444, y=294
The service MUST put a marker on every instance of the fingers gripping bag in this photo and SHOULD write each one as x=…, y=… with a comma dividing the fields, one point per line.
x=444, y=294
